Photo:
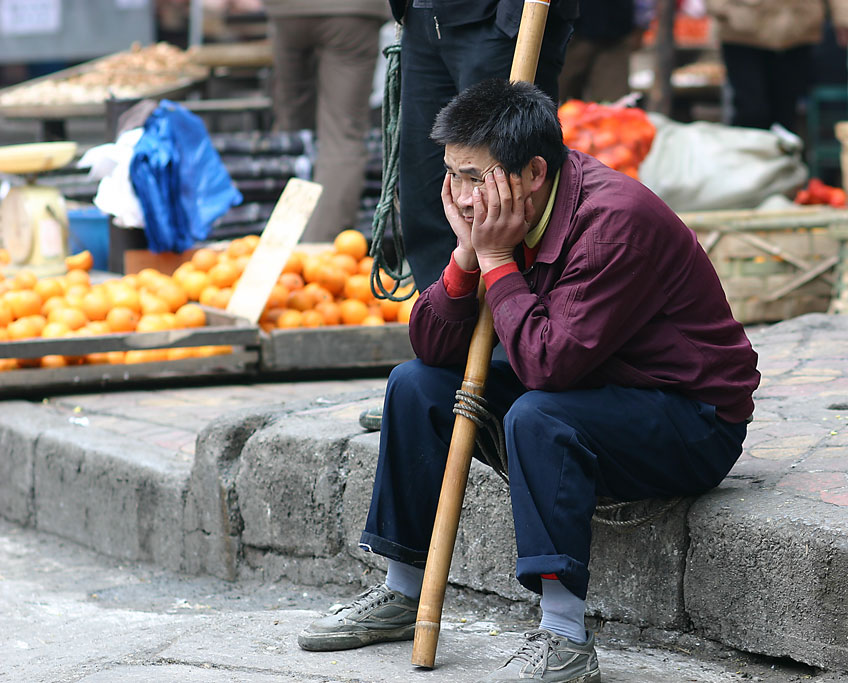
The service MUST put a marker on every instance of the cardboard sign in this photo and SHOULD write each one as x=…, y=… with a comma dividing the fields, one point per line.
x=278, y=239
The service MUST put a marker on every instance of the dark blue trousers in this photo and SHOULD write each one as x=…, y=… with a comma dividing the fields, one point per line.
x=564, y=449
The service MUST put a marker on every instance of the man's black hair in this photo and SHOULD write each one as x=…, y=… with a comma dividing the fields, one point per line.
x=514, y=121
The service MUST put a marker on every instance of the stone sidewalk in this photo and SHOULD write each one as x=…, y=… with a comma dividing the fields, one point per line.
x=271, y=481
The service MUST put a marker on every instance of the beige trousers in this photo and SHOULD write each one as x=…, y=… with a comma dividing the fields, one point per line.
x=596, y=71
x=323, y=73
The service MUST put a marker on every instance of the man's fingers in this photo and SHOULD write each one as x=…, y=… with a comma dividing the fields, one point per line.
x=492, y=194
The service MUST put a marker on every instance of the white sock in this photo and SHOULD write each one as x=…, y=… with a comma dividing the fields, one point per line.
x=405, y=579
x=562, y=611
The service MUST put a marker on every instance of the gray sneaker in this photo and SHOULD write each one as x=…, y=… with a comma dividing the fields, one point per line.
x=378, y=615
x=545, y=656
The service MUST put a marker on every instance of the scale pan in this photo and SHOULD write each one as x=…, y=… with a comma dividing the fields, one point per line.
x=36, y=157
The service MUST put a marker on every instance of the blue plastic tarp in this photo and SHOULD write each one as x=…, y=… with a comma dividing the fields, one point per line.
x=180, y=181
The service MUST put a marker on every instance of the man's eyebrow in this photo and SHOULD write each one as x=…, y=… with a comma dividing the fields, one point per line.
x=469, y=170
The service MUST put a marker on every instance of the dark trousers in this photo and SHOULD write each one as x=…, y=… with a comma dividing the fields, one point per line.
x=766, y=84
x=435, y=66
x=564, y=449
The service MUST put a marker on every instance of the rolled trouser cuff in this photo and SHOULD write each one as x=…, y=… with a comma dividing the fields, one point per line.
x=391, y=550
x=572, y=574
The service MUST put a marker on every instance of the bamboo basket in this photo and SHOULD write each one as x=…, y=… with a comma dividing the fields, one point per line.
x=774, y=265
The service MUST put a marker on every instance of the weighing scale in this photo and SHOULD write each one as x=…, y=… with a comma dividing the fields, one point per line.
x=33, y=218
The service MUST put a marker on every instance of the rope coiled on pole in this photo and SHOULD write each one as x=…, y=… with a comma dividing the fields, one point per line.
x=386, y=212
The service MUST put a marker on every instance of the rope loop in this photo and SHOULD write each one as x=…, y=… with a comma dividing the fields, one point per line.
x=386, y=214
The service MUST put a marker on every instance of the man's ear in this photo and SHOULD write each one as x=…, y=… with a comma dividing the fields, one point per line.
x=538, y=171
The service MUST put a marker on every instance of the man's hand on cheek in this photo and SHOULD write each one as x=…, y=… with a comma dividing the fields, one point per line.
x=499, y=220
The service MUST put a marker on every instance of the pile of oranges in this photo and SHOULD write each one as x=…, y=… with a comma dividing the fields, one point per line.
x=331, y=287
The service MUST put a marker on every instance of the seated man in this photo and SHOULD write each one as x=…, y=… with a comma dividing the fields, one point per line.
x=627, y=376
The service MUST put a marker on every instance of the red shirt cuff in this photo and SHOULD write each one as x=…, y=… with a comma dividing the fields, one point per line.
x=459, y=282
x=496, y=274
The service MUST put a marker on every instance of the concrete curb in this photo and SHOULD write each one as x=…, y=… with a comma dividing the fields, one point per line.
x=283, y=492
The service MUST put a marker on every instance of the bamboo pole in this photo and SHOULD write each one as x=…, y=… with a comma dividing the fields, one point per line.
x=428, y=623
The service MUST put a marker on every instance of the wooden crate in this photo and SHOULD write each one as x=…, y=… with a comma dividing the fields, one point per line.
x=220, y=330
x=773, y=265
x=341, y=347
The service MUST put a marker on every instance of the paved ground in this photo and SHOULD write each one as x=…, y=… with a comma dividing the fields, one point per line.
x=67, y=614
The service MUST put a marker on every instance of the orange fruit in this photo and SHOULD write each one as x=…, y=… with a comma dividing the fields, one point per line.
x=222, y=298
x=55, y=329
x=6, y=315
x=204, y=259
x=358, y=287
x=405, y=309
x=150, y=278
x=351, y=242
x=291, y=281
x=74, y=318
x=193, y=284
x=311, y=264
x=289, y=318
x=95, y=305
x=99, y=358
x=270, y=315
x=53, y=361
x=130, y=281
x=24, y=279
x=190, y=315
x=150, y=322
x=115, y=357
x=180, y=353
x=223, y=274
x=203, y=351
x=345, y=263
x=252, y=241
x=82, y=261
x=181, y=271
x=372, y=319
x=312, y=318
x=95, y=328
x=365, y=265
x=388, y=309
x=24, y=302
x=77, y=277
x=75, y=295
x=172, y=294
x=122, y=319
x=294, y=264
x=318, y=293
x=4, y=256
x=353, y=311
x=278, y=296
x=330, y=311
x=331, y=278
x=238, y=247
x=37, y=321
x=53, y=302
x=124, y=296
x=24, y=328
x=145, y=356
x=207, y=296
x=300, y=300
x=150, y=303
x=47, y=287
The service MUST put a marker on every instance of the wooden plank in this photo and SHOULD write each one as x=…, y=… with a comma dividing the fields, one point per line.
x=281, y=234
x=251, y=54
x=27, y=381
x=344, y=346
x=803, y=278
x=166, y=339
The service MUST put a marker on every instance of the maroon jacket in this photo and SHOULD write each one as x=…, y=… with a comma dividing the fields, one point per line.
x=620, y=293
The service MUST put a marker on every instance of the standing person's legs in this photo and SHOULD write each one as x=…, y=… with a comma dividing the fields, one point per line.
x=567, y=448
x=610, y=70
x=347, y=50
x=434, y=68
x=789, y=81
x=747, y=74
x=294, y=73
x=575, y=72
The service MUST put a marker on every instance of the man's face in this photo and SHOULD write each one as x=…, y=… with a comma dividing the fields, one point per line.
x=468, y=167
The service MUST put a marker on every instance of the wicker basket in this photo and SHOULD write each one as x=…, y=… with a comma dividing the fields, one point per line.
x=773, y=265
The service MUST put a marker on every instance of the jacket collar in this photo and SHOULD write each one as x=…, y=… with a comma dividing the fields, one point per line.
x=570, y=182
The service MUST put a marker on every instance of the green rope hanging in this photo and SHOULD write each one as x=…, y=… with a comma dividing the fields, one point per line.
x=386, y=211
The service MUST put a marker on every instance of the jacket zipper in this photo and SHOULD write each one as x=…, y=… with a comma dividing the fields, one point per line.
x=436, y=22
